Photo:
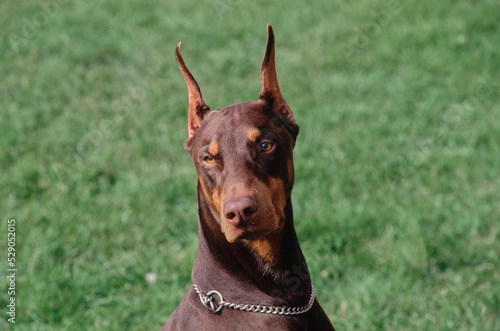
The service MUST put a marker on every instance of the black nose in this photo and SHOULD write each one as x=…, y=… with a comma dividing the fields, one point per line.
x=240, y=211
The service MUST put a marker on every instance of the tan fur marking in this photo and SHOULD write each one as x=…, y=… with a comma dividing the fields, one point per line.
x=203, y=188
x=253, y=134
x=264, y=248
x=213, y=200
x=213, y=148
x=278, y=194
x=216, y=200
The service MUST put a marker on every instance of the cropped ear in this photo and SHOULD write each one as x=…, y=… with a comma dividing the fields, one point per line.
x=270, y=91
x=197, y=109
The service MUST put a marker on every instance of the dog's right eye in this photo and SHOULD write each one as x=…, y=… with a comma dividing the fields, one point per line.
x=209, y=159
x=266, y=146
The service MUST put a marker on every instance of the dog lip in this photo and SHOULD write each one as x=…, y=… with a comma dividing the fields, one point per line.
x=234, y=234
x=257, y=234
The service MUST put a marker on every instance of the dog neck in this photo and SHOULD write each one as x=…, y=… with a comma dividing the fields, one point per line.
x=224, y=266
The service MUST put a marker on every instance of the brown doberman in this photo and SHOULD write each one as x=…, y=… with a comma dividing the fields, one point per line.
x=249, y=272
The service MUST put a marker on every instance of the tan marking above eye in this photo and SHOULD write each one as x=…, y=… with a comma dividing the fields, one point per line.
x=253, y=134
x=213, y=148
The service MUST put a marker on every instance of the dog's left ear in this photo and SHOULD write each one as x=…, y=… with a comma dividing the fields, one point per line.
x=270, y=91
x=197, y=109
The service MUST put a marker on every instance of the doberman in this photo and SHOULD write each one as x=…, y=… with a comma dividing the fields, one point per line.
x=249, y=272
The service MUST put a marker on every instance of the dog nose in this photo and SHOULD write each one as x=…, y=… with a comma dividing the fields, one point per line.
x=240, y=211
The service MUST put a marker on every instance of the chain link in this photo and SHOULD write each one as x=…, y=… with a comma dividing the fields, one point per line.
x=208, y=300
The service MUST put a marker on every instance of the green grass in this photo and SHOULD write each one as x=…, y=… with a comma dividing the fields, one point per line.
x=397, y=191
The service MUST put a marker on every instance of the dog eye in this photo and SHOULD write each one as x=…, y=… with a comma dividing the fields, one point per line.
x=266, y=146
x=209, y=159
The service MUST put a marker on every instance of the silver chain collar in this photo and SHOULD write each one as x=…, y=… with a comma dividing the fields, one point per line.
x=208, y=300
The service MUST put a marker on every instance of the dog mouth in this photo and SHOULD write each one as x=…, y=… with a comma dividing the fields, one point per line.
x=250, y=235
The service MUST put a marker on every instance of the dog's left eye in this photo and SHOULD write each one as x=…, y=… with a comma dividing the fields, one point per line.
x=209, y=159
x=266, y=146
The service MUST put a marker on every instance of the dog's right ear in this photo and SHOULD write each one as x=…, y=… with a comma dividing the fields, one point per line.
x=197, y=109
x=270, y=91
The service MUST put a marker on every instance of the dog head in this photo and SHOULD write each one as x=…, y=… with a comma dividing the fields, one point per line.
x=243, y=156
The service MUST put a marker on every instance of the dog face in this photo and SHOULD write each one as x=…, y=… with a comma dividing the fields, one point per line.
x=243, y=157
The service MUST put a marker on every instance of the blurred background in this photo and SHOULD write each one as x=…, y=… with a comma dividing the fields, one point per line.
x=397, y=163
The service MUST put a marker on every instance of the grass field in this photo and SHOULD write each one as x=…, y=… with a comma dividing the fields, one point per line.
x=397, y=163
